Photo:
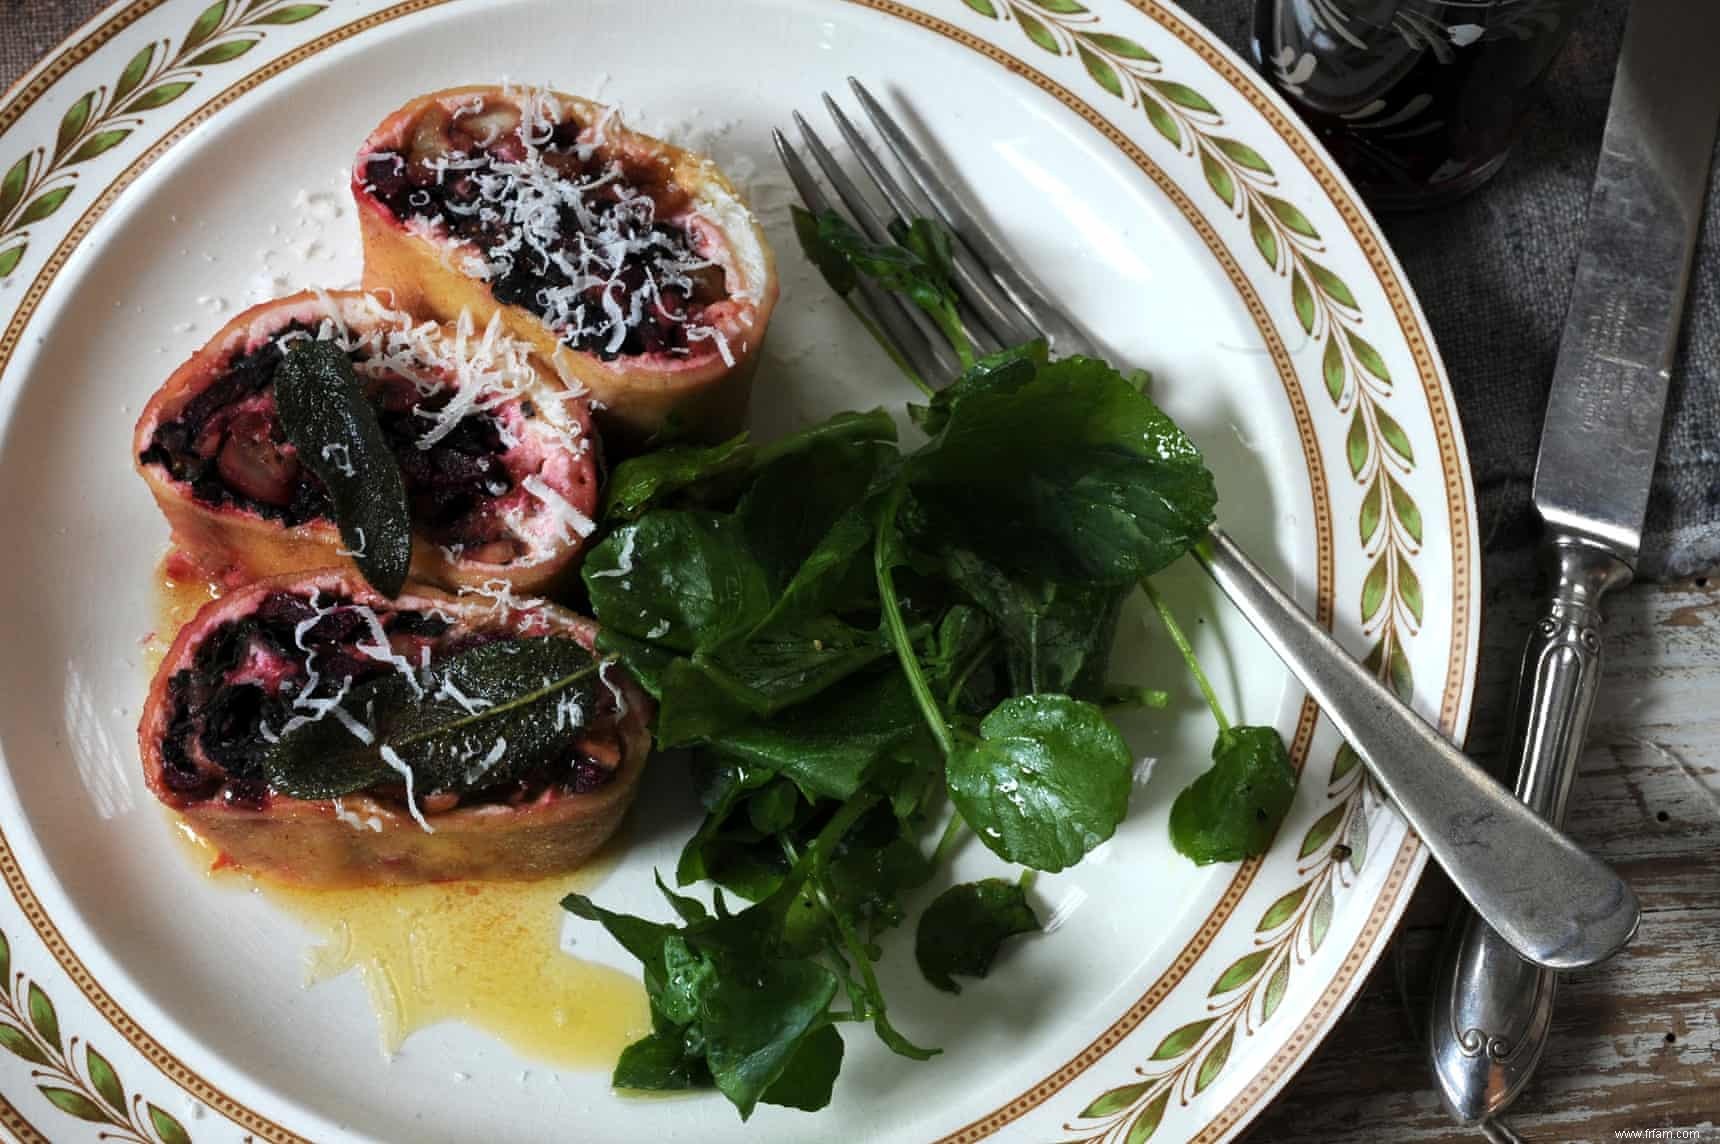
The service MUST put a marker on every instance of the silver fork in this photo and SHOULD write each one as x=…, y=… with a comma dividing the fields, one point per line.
x=1555, y=904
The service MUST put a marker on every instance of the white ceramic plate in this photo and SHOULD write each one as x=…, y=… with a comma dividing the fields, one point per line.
x=175, y=161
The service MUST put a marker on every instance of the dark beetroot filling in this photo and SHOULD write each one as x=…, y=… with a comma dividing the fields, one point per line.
x=214, y=744
x=227, y=444
x=658, y=251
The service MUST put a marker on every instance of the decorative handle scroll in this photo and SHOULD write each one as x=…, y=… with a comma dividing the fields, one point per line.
x=1492, y=1009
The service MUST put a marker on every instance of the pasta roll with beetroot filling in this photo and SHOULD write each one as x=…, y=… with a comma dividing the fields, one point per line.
x=320, y=734
x=632, y=264
x=499, y=460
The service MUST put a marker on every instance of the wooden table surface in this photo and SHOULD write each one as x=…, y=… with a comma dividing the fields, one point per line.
x=1636, y=1042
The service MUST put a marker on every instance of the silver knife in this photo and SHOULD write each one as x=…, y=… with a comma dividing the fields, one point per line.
x=1491, y=1009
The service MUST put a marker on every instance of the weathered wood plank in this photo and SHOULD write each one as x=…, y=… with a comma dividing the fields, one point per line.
x=1637, y=1041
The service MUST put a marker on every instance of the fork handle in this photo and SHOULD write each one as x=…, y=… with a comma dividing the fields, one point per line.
x=1492, y=1011
x=1553, y=903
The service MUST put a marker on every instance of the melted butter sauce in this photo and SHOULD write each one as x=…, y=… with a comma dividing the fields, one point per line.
x=487, y=954
x=178, y=596
x=483, y=953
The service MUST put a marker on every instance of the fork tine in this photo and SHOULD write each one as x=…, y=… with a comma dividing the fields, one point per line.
x=993, y=307
x=873, y=224
x=892, y=314
x=869, y=219
x=1064, y=334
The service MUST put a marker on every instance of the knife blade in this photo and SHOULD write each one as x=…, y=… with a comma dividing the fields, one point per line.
x=1602, y=431
x=1492, y=1011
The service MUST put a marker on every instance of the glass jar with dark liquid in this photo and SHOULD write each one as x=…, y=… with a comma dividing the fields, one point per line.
x=1419, y=100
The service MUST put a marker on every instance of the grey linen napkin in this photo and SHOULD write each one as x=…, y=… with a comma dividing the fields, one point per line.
x=1493, y=273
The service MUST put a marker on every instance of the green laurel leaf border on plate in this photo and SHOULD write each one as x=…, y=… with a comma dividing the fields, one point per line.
x=30, y=1031
x=37, y=184
x=33, y=187
x=1378, y=454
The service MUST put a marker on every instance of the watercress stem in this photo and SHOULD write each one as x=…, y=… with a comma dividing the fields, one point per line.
x=875, y=1010
x=889, y=347
x=840, y=822
x=1187, y=650
x=898, y=631
x=952, y=834
x=951, y=324
x=967, y=670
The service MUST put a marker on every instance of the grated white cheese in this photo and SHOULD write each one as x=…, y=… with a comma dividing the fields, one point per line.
x=569, y=522
x=363, y=545
x=358, y=730
x=378, y=649
x=568, y=712
x=623, y=559
x=478, y=771
x=395, y=762
x=449, y=690
x=337, y=455
x=505, y=605
x=342, y=814
x=711, y=333
x=559, y=221
x=615, y=690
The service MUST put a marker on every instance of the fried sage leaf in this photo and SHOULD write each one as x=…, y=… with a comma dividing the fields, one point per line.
x=327, y=418
x=471, y=721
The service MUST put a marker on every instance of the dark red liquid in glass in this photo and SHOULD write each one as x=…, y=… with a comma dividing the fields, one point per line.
x=1419, y=100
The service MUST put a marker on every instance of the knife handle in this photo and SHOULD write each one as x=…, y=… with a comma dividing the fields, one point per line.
x=1491, y=1009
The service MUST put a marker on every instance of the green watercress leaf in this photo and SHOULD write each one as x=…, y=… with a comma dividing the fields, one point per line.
x=689, y=910
x=827, y=746
x=1002, y=372
x=640, y=482
x=955, y=661
x=1233, y=810
x=723, y=842
x=660, y=1062
x=647, y=663
x=688, y=976
x=877, y=864
x=963, y=928
x=798, y=498
x=916, y=265
x=338, y=437
x=1075, y=475
x=853, y=426
x=1047, y=781
x=640, y=937
x=755, y=1020
x=790, y=664
x=1057, y=635
x=832, y=263
x=682, y=578
x=809, y=1076
x=759, y=676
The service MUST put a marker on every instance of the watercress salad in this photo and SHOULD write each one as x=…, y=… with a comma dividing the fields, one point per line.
x=849, y=634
